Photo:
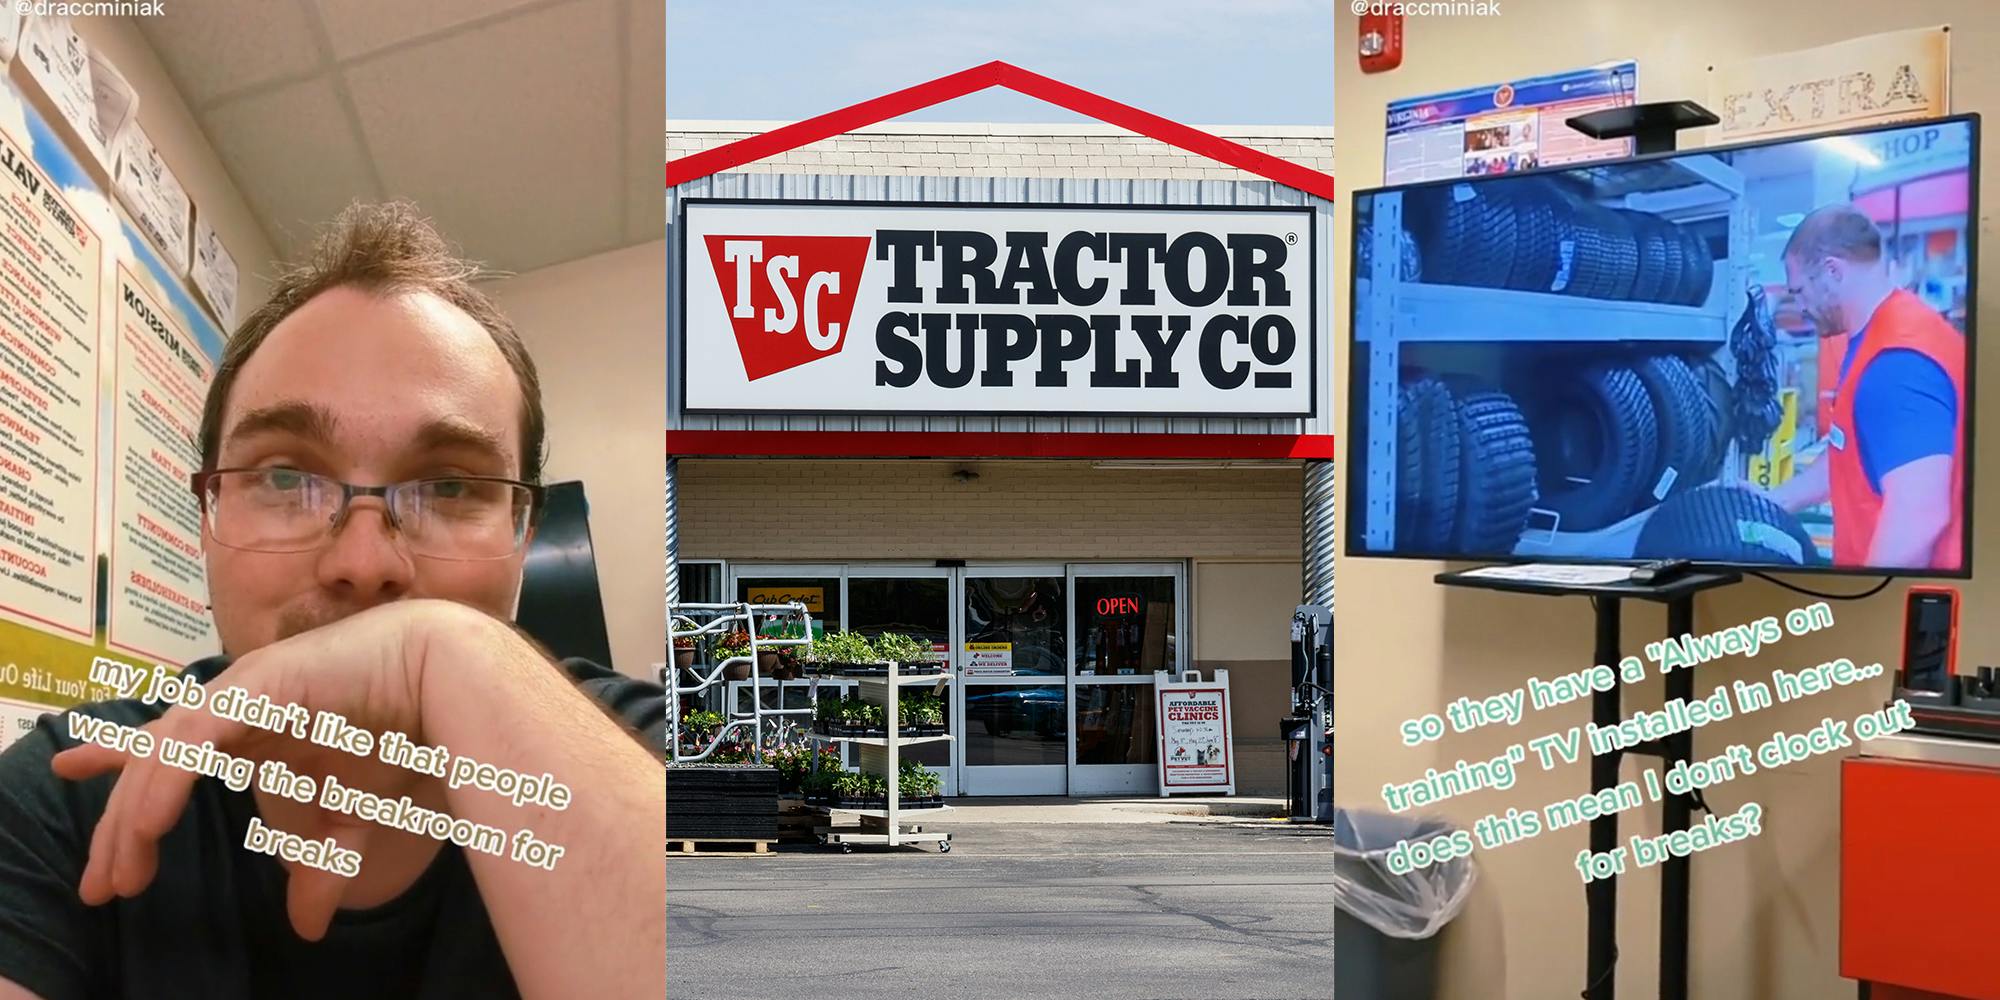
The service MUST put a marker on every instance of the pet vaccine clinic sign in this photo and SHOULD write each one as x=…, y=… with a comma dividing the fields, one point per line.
x=830, y=307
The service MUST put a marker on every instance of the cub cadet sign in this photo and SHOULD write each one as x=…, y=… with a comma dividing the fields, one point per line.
x=873, y=308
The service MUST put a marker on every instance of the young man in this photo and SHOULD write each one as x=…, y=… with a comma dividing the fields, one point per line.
x=371, y=447
x=1894, y=465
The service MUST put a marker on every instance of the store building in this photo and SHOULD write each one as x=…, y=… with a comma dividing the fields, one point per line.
x=1054, y=398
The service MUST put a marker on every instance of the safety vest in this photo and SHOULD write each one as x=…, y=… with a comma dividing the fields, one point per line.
x=1901, y=322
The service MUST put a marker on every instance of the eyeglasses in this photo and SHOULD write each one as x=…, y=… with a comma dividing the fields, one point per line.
x=287, y=510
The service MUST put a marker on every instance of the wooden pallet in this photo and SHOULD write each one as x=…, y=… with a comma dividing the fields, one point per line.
x=724, y=848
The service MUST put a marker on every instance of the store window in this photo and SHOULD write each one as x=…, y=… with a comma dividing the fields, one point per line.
x=1020, y=621
x=1125, y=625
x=701, y=581
x=1114, y=724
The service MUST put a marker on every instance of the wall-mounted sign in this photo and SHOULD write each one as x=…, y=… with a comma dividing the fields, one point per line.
x=849, y=307
x=1195, y=751
x=814, y=598
x=1893, y=76
x=1498, y=128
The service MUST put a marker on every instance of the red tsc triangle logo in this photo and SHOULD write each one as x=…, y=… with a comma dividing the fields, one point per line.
x=789, y=297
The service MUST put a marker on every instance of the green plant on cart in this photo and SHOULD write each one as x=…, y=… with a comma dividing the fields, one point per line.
x=841, y=647
x=921, y=709
x=698, y=727
x=901, y=648
x=915, y=781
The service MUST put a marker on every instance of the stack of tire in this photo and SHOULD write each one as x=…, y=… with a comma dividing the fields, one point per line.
x=1531, y=234
x=1465, y=477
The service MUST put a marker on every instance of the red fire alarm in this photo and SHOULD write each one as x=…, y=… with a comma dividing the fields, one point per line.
x=1381, y=42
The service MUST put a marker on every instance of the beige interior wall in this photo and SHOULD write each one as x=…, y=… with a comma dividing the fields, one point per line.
x=186, y=150
x=1765, y=913
x=594, y=328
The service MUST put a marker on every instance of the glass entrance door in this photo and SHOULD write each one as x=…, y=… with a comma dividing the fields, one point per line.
x=915, y=601
x=1129, y=622
x=1013, y=690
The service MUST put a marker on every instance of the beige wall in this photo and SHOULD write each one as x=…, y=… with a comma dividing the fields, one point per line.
x=1240, y=526
x=595, y=327
x=186, y=150
x=1765, y=912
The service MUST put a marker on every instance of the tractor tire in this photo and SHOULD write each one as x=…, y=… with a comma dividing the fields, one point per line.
x=1726, y=524
x=1686, y=420
x=1496, y=483
x=1700, y=269
x=1465, y=233
x=1596, y=443
x=1652, y=273
x=1537, y=229
x=1427, y=468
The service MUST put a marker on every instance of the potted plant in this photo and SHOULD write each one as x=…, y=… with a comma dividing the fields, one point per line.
x=917, y=786
x=921, y=714
x=734, y=645
x=684, y=645
x=836, y=652
x=698, y=728
x=913, y=654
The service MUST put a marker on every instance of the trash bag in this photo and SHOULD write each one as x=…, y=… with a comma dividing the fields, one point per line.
x=1413, y=905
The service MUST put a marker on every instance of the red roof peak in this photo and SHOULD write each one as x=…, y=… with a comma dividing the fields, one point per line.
x=1012, y=77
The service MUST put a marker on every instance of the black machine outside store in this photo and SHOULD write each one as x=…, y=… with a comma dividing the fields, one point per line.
x=1308, y=731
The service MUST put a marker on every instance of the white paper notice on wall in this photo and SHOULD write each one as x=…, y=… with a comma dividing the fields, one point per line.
x=59, y=61
x=1872, y=80
x=150, y=191
x=116, y=102
x=214, y=272
x=159, y=589
x=49, y=304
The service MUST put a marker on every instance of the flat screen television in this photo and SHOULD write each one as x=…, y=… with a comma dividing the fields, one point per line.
x=1756, y=355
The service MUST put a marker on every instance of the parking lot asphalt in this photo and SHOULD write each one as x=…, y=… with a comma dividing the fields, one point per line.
x=1171, y=910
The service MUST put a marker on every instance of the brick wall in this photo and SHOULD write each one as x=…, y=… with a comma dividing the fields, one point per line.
x=1003, y=150
x=838, y=510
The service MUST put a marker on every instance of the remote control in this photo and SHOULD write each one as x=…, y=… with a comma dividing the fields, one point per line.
x=1660, y=571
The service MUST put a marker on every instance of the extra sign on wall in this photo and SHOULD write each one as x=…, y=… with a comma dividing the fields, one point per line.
x=850, y=307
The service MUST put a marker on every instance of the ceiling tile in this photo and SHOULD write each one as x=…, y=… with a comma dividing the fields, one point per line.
x=214, y=47
x=294, y=157
x=646, y=121
x=506, y=134
x=358, y=27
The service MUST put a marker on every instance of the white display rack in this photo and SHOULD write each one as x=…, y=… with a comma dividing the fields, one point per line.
x=712, y=620
x=882, y=755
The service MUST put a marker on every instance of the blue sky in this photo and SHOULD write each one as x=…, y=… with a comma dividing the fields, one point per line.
x=1202, y=62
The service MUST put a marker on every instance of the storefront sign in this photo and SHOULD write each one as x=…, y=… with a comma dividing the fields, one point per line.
x=989, y=659
x=1889, y=77
x=814, y=598
x=828, y=307
x=1195, y=751
x=1119, y=606
x=1504, y=127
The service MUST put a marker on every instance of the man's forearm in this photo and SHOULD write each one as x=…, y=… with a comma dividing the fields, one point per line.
x=1811, y=486
x=594, y=924
x=1905, y=538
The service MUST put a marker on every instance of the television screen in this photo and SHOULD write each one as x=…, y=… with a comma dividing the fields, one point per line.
x=1757, y=355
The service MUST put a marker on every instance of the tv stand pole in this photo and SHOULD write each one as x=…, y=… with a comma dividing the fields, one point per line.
x=1601, y=895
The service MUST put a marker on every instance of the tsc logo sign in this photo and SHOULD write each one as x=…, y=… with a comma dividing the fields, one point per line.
x=789, y=297
x=911, y=308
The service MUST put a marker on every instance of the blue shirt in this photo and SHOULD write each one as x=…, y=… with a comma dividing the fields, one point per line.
x=1904, y=409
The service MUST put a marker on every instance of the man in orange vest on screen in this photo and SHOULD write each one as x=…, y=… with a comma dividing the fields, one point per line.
x=1895, y=443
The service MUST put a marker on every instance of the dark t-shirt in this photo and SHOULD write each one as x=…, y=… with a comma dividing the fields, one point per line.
x=212, y=925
